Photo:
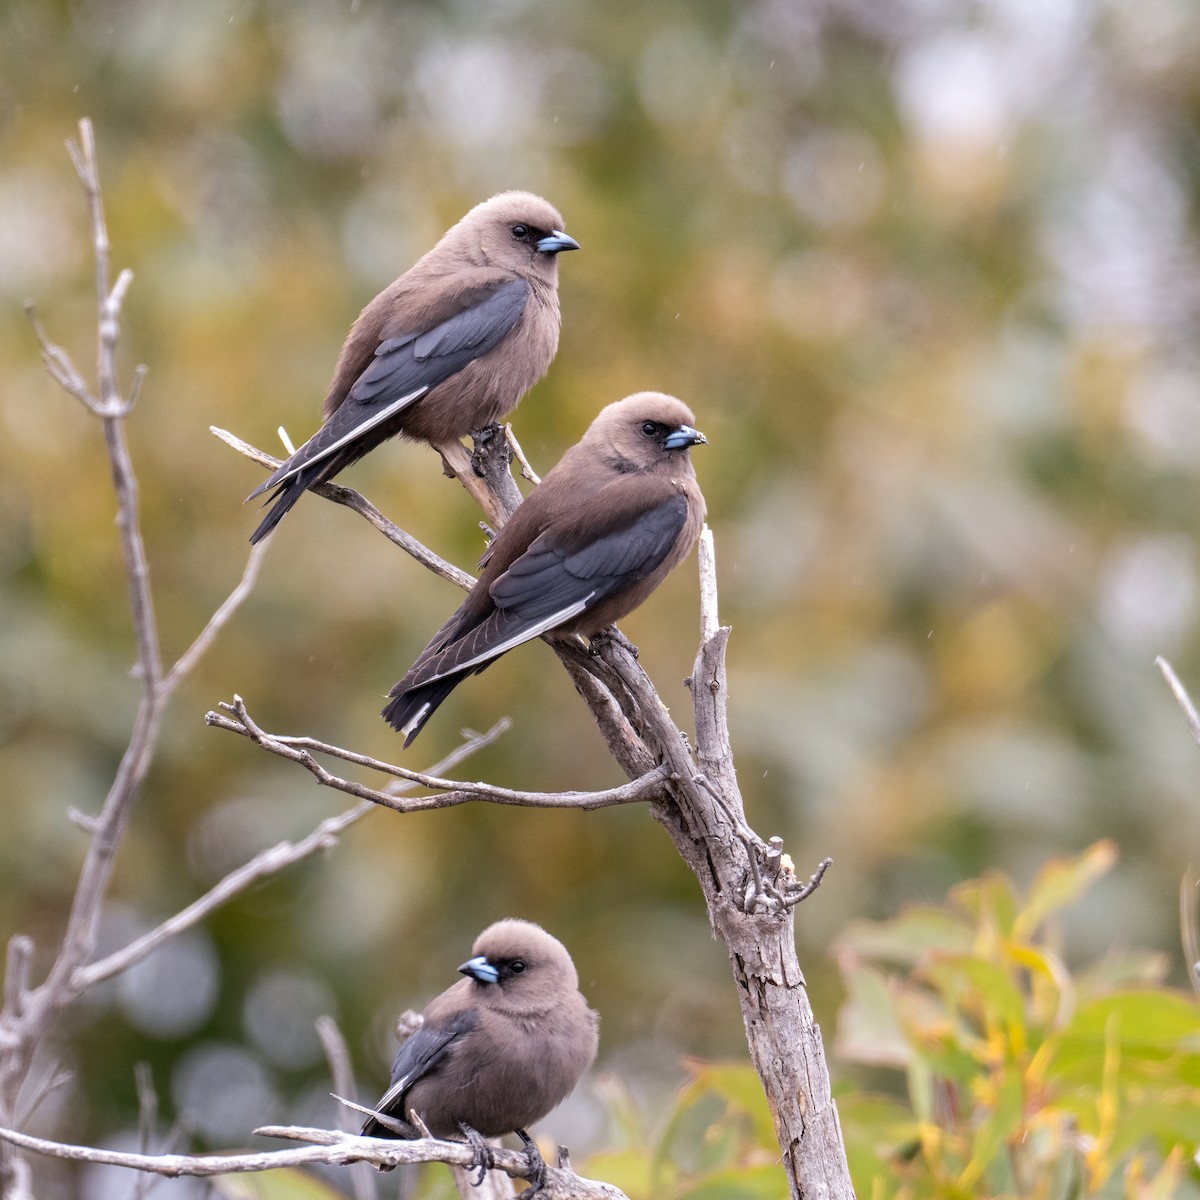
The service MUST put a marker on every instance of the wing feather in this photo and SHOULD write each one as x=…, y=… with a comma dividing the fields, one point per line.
x=403, y=369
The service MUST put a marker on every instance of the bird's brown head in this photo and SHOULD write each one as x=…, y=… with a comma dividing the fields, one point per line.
x=516, y=231
x=517, y=966
x=646, y=432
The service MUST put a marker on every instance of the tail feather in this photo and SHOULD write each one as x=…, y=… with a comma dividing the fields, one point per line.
x=410, y=708
x=281, y=503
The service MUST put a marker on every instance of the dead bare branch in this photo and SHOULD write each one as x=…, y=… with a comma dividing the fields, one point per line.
x=328, y=1147
x=448, y=792
x=358, y=503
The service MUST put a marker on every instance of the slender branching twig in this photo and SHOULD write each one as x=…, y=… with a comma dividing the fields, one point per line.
x=448, y=792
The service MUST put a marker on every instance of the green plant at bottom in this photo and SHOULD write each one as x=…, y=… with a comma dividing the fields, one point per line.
x=1022, y=1078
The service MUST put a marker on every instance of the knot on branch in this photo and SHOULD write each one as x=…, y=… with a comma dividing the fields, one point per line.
x=773, y=886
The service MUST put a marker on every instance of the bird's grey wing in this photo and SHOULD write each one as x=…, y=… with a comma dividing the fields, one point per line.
x=419, y=1055
x=550, y=584
x=404, y=368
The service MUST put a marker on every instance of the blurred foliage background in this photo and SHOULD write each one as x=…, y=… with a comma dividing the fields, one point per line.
x=927, y=273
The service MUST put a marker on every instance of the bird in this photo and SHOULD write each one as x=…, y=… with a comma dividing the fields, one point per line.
x=619, y=511
x=496, y=1051
x=445, y=350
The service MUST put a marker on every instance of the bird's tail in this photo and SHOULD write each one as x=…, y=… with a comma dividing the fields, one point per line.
x=372, y=1128
x=411, y=707
x=283, y=500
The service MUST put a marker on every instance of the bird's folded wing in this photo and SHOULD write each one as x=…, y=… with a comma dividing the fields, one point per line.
x=422, y=1053
x=405, y=367
x=550, y=584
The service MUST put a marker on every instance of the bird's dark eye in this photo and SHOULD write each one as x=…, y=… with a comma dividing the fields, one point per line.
x=517, y=966
x=649, y=429
x=520, y=231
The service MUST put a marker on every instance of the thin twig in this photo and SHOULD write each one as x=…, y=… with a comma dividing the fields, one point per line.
x=358, y=503
x=205, y=638
x=707, y=554
x=53, y=1076
x=58, y=363
x=448, y=792
x=811, y=886
x=527, y=472
x=25, y=1030
x=325, y=1146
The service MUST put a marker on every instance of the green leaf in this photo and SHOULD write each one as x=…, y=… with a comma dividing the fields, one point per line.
x=1050, y=988
x=963, y=979
x=1062, y=881
x=695, y=1135
x=285, y=1183
x=1151, y=1028
x=991, y=900
x=1166, y=1121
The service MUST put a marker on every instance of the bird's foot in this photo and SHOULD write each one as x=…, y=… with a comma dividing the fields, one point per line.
x=537, y=1166
x=488, y=441
x=614, y=636
x=484, y=1159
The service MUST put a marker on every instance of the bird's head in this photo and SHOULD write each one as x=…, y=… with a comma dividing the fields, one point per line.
x=516, y=231
x=649, y=431
x=518, y=966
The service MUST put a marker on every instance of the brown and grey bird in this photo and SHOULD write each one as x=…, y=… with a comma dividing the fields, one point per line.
x=620, y=510
x=499, y=1049
x=447, y=349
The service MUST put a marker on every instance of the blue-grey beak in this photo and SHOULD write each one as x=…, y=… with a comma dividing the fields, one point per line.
x=556, y=241
x=479, y=968
x=684, y=435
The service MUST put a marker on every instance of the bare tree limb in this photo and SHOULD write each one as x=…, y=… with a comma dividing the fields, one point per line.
x=42, y=1004
x=459, y=463
x=16, y=974
x=448, y=792
x=361, y=505
x=327, y=1147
